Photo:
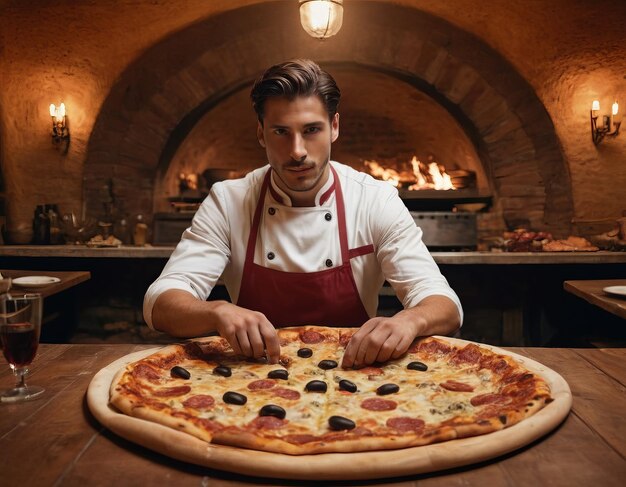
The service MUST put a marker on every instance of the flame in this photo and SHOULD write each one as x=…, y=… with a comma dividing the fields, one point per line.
x=379, y=171
x=431, y=176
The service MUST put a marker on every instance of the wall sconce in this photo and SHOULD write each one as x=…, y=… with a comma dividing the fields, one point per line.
x=321, y=18
x=610, y=125
x=60, y=130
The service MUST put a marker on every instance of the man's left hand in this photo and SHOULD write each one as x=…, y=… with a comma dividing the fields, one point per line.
x=380, y=339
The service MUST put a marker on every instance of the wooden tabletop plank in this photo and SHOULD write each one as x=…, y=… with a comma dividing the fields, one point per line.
x=598, y=399
x=572, y=455
x=68, y=279
x=592, y=292
x=608, y=360
x=60, y=427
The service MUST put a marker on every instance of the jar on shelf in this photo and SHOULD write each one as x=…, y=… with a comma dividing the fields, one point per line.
x=140, y=232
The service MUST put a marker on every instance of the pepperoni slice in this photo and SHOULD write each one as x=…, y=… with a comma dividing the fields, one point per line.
x=311, y=336
x=268, y=422
x=433, y=346
x=286, y=393
x=488, y=398
x=172, y=391
x=299, y=439
x=201, y=401
x=344, y=339
x=256, y=385
x=207, y=424
x=455, y=386
x=470, y=355
x=372, y=371
x=405, y=424
x=378, y=404
x=143, y=371
x=361, y=431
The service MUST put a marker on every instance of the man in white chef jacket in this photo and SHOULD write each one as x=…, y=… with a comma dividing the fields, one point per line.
x=303, y=240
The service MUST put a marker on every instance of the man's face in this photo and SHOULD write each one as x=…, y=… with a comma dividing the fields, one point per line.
x=297, y=136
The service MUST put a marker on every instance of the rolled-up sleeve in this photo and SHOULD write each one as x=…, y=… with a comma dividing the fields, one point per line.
x=199, y=258
x=405, y=261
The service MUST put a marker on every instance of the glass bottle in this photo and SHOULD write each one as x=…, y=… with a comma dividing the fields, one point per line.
x=122, y=232
x=140, y=232
x=55, y=234
x=41, y=226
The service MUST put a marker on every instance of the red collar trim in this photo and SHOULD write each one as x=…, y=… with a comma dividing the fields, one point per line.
x=329, y=191
x=323, y=198
x=275, y=195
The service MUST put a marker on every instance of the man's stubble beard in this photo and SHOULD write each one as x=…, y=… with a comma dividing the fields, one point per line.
x=311, y=186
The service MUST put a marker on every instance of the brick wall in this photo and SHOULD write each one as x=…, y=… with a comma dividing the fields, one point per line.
x=513, y=143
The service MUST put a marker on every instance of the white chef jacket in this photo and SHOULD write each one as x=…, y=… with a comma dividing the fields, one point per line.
x=303, y=239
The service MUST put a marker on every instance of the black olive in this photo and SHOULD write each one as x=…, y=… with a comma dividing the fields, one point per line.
x=178, y=371
x=316, y=386
x=327, y=364
x=278, y=374
x=346, y=385
x=387, y=389
x=223, y=371
x=305, y=352
x=417, y=366
x=341, y=423
x=231, y=397
x=273, y=410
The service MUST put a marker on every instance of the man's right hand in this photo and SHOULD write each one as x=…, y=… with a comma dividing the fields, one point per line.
x=249, y=332
x=179, y=313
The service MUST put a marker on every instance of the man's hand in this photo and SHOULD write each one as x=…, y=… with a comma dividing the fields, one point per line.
x=181, y=314
x=380, y=339
x=248, y=332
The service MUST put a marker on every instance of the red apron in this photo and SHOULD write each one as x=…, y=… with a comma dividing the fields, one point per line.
x=329, y=297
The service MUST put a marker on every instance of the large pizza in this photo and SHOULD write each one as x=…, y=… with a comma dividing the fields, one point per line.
x=441, y=390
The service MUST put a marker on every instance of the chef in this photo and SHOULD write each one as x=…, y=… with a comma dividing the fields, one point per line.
x=302, y=240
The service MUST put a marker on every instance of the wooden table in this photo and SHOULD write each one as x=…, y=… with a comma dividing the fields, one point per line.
x=55, y=440
x=68, y=280
x=592, y=291
x=60, y=301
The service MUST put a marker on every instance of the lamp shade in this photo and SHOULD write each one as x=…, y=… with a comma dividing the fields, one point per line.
x=321, y=18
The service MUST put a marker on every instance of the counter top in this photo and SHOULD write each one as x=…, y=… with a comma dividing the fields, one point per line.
x=448, y=258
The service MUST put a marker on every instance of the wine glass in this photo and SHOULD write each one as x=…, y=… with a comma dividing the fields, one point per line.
x=20, y=325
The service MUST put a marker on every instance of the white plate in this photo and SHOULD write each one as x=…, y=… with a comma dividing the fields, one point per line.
x=616, y=290
x=35, y=281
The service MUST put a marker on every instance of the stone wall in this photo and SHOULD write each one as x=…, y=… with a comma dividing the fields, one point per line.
x=136, y=77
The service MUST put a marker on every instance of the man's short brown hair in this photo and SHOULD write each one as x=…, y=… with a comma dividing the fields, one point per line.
x=298, y=77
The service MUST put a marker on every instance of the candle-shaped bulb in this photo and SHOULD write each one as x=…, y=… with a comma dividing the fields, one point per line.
x=615, y=108
x=53, y=110
x=595, y=106
x=62, y=111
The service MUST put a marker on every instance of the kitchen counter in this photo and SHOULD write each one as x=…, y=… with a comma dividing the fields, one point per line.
x=56, y=441
x=447, y=258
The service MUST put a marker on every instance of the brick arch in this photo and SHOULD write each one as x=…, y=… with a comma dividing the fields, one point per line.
x=159, y=98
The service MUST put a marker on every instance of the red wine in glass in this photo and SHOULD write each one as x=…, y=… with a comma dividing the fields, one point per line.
x=19, y=343
x=20, y=325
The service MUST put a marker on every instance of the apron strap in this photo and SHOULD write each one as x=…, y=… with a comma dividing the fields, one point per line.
x=254, y=229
